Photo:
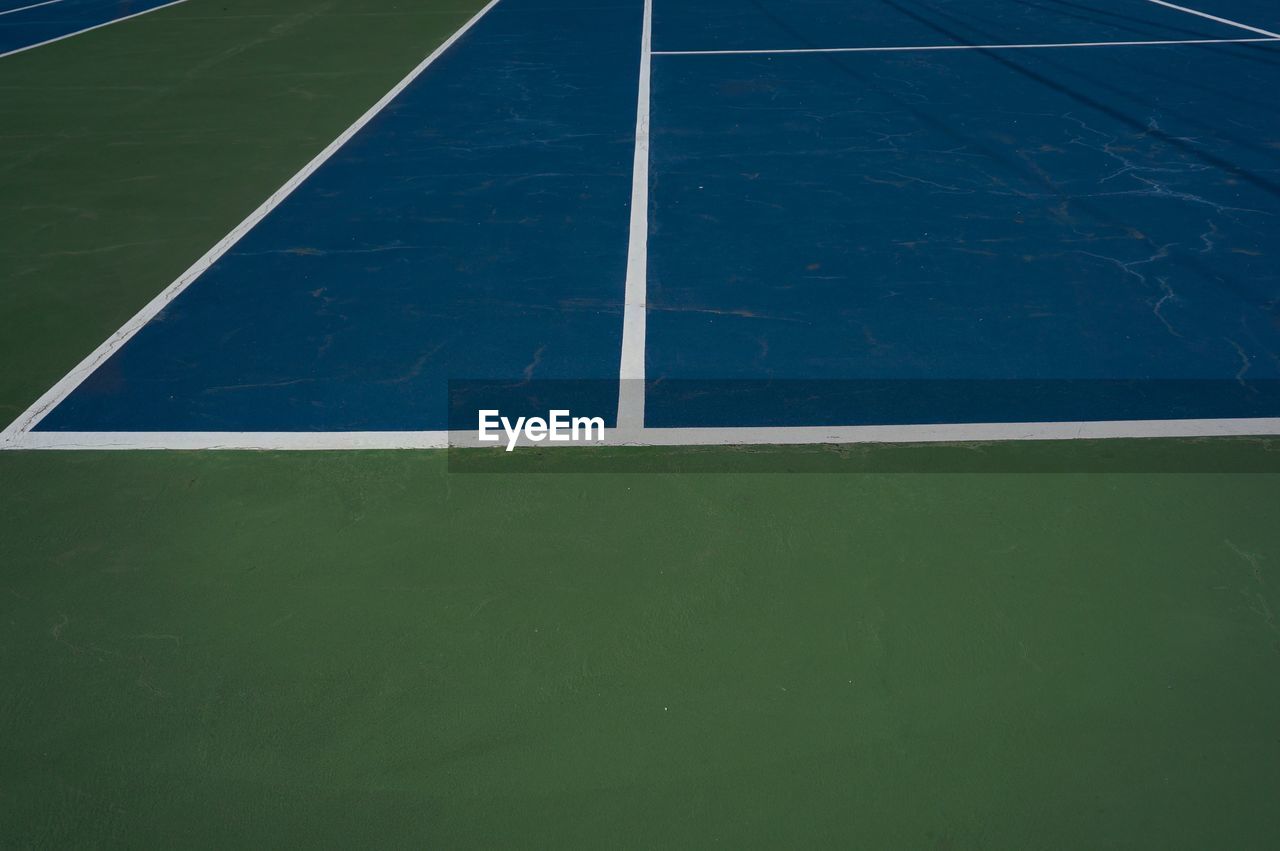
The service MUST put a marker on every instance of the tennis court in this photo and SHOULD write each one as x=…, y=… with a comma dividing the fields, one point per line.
x=1000, y=273
x=722, y=222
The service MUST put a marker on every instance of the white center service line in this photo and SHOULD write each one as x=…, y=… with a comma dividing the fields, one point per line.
x=631, y=371
x=32, y=6
x=908, y=48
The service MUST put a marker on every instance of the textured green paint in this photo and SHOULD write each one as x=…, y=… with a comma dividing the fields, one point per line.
x=327, y=648
x=358, y=649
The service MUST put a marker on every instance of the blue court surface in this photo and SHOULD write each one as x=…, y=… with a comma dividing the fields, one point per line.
x=782, y=215
x=25, y=24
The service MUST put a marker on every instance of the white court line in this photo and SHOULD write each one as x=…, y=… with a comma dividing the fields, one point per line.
x=631, y=371
x=1206, y=15
x=780, y=436
x=25, y=8
x=909, y=48
x=64, y=36
x=33, y=415
x=956, y=432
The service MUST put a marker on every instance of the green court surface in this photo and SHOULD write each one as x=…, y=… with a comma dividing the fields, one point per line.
x=803, y=647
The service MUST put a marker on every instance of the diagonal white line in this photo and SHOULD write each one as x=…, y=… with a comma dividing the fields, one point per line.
x=65, y=36
x=909, y=48
x=25, y=8
x=1207, y=16
x=42, y=406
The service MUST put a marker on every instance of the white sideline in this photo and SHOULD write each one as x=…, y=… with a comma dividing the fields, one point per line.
x=32, y=416
x=65, y=36
x=25, y=8
x=635, y=297
x=929, y=47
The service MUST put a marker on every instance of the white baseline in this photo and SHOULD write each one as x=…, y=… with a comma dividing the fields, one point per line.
x=779, y=436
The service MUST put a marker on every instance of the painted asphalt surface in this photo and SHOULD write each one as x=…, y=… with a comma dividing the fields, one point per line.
x=725, y=25
x=1085, y=217
x=980, y=216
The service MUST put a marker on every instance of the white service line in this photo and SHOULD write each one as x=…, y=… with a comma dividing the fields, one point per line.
x=635, y=296
x=1206, y=15
x=762, y=436
x=905, y=49
x=25, y=8
x=42, y=406
x=64, y=36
